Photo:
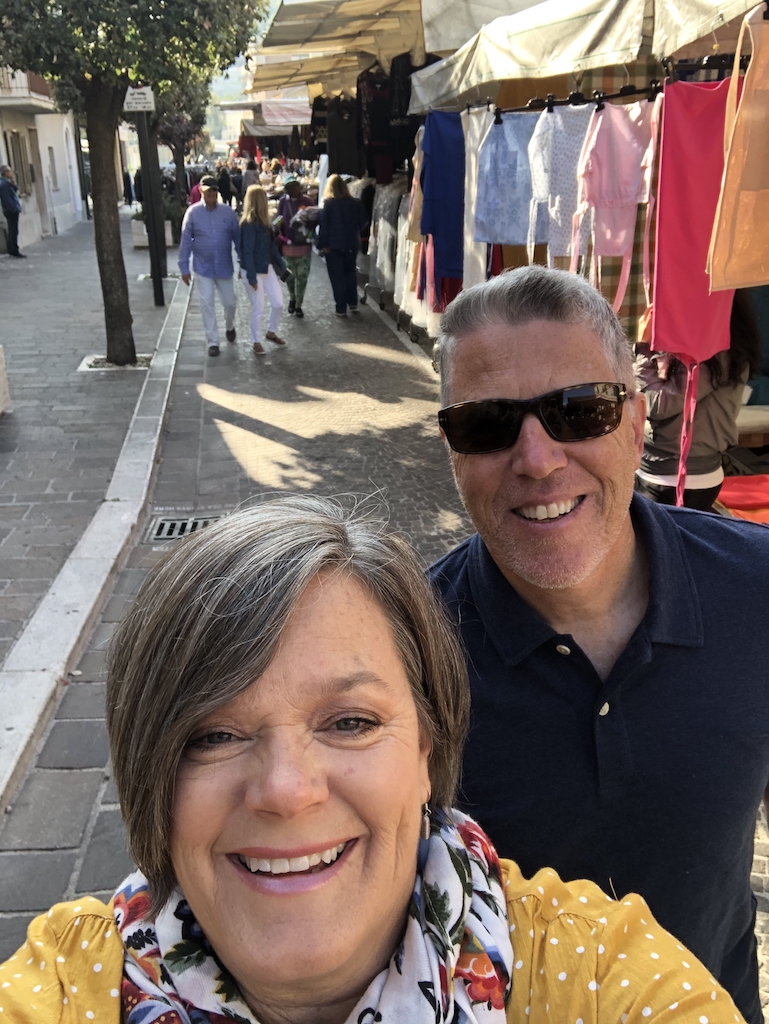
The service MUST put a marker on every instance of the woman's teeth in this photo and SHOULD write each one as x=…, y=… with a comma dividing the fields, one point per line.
x=551, y=511
x=284, y=865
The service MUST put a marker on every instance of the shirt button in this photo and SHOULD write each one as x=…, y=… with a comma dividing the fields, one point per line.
x=563, y=649
x=603, y=710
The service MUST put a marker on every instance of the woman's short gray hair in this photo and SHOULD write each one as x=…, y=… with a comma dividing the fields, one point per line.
x=207, y=623
x=534, y=293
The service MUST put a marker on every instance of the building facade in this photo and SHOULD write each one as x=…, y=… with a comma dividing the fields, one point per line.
x=39, y=144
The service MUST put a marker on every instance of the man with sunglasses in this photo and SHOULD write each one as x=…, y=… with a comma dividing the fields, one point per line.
x=616, y=648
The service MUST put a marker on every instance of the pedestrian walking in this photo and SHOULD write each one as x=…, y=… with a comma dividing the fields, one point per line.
x=297, y=247
x=616, y=647
x=258, y=255
x=250, y=177
x=236, y=180
x=138, y=188
x=209, y=231
x=342, y=221
x=11, y=204
x=128, y=192
x=225, y=185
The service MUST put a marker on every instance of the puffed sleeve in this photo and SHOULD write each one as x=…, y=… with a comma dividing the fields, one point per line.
x=69, y=968
x=583, y=958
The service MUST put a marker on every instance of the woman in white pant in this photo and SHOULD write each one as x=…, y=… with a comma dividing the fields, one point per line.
x=259, y=253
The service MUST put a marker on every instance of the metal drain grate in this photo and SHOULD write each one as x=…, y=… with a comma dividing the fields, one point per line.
x=179, y=526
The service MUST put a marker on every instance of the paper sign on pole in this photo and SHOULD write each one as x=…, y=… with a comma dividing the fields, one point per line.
x=139, y=99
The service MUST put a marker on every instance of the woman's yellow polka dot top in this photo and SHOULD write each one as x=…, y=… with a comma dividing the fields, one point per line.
x=579, y=957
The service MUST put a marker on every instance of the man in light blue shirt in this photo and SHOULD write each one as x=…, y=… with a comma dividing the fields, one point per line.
x=209, y=231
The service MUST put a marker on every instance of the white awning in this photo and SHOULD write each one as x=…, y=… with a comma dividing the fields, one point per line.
x=561, y=37
x=257, y=127
x=338, y=71
x=448, y=24
x=381, y=28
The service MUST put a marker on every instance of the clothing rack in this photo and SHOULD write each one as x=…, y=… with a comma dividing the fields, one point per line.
x=713, y=61
x=576, y=99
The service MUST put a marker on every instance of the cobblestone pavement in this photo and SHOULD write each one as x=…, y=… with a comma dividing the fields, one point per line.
x=343, y=409
x=61, y=439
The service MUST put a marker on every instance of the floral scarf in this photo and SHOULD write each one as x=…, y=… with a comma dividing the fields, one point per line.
x=453, y=964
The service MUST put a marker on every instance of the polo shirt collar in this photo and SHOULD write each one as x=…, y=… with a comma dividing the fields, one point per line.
x=673, y=615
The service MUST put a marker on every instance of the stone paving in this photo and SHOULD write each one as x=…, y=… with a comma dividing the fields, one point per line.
x=60, y=441
x=344, y=409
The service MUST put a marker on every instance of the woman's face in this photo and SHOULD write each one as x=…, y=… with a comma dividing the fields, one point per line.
x=298, y=807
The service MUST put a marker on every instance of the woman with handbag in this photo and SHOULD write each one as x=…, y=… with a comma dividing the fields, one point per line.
x=259, y=258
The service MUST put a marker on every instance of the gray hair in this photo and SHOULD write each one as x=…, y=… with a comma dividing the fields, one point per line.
x=4, y=168
x=534, y=293
x=208, y=621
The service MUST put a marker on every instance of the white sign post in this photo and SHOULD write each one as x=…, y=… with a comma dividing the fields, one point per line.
x=139, y=100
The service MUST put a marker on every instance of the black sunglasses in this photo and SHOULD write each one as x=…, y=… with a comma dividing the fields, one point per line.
x=568, y=414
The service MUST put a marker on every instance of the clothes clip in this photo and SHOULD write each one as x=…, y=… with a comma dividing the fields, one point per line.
x=576, y=99
x=598, y=96
x=550, y=102
x=497, y=115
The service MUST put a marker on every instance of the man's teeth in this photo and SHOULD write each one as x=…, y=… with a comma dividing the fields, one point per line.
x=551, y=511
x=283, y=865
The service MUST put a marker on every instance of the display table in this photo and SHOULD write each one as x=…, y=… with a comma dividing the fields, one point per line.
x=753, y=426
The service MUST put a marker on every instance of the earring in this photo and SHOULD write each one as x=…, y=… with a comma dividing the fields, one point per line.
x=427, y=814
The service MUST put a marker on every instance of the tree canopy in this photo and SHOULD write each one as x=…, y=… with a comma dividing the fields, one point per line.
x=92, y=50
x=121, y=41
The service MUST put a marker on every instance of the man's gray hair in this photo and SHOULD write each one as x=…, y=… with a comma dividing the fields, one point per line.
x=4, y=168
x=520, y=296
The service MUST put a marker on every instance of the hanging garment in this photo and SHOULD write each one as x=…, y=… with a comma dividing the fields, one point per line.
x=739, y=254
x=503, y=196
x=614, y=176
x=443, y=185
x=414, y=230
x=686, y=319
x=554, y=152
x=344, y=157
x=475, y=124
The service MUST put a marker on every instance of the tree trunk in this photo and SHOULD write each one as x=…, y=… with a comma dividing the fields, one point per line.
x=103, y=106
x=157, y=193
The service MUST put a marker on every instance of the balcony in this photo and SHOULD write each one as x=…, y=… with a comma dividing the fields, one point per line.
x=24, y=92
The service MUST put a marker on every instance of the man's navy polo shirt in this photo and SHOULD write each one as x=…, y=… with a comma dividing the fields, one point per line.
x=648, y=782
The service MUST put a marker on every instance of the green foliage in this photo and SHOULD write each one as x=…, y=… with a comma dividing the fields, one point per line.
x=122, y=42
x=181, y=111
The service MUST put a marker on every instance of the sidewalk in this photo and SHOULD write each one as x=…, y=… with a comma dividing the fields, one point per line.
x=346, y=408
x=61, y=438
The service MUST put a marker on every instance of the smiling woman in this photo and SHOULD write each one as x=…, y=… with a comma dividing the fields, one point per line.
x=287, y=705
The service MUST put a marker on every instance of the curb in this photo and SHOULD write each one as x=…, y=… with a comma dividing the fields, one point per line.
x=34, y=670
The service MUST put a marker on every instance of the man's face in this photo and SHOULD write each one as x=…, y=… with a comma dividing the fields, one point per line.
x=210, y=197
x=591, y=481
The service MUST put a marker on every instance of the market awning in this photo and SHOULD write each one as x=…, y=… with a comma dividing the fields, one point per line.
x=257, y=127
x=560, y=37
x=448, y=24
x=339, y=71
x=279, y=112
x=382, y=28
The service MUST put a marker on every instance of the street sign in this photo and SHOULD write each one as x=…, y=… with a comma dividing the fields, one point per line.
x=139, y=99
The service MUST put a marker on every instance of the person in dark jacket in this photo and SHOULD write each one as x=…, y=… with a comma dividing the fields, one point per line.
x=138, y=189
x=342, y=221
x=225, y=185
x=11, y=204
x=128, y=192
x=258, y=256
